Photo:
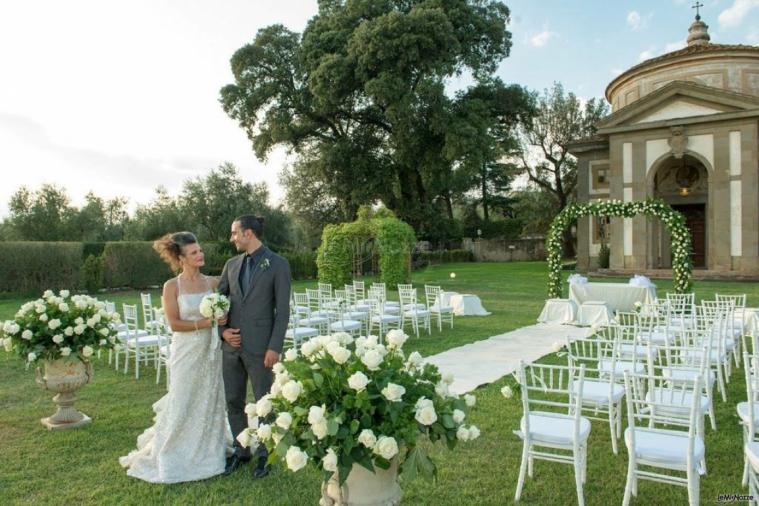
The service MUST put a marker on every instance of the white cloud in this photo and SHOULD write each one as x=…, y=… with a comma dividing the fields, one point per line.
x=634, y=20
x=674, y=46
x=648, y=53
x=542, y=38
x=734, y=15
x=753, y=35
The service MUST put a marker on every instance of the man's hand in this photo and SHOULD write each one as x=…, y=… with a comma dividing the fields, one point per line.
x=271, y=358
x=232, y=336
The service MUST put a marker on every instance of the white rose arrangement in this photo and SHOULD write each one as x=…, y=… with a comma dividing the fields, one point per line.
x=341, y=402
x=60, y=326
x=214, y=306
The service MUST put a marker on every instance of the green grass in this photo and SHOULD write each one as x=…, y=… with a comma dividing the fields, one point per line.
x=81, y=466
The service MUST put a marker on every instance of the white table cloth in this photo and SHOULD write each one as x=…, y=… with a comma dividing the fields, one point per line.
x=463, y=304
x=619, y=296
x=558, y=311
x=594, y=314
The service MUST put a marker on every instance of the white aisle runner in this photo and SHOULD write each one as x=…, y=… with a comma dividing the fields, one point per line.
x=486, y=361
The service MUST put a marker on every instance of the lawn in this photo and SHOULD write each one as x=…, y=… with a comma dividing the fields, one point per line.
x=81, y=466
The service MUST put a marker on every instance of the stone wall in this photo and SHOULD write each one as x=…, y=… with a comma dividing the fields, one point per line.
x=501, y=250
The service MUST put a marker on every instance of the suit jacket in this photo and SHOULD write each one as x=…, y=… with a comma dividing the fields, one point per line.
x=263, y=312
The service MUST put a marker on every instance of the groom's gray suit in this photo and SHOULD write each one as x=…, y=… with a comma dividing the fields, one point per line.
x=261, y=311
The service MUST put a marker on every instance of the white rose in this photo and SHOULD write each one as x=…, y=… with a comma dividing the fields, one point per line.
x=245, y=438
x=284, y=420
x=27, y=334
x=296, y=459
x=396, y=338
x=441, y=389
x=66, y=351
x=87, y=351
x=320, y=429
x=91, y=322
x=316, y=414
x=308, y=348
x=264, y=432
x=278, y=368
x=415, y=359
x=64, y=293
x=371, y=341
x=462, y=434
x=458, y=416
x=329, y=462
x=426, y=415
x=423, y=402
x=340, y=354
x=31, y=357
x=372, y=359
x=57, y=339
x=557, y=346
x=103, y=342
x=447, y=378
x=104, y=331
x=8, y=344
x=393, y=392
x=48, y=294
x=14, y=329
x=79, y=330
x=250, y=409
x=507, y=392
x=474, y=432
x=358, y=381
x=291, y=390
x=79, y=321
x=470, y=400
x=69, y=331
x=291, y=355
x=263, y=406
x=386, y=447
x=275, y=390
x=276, y=437
x=43, y=317
x=367, y=438
x=54, y=324
x=39, y=308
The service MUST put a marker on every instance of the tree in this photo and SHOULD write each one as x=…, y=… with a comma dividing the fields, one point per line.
x=361, y=94
x=160, y=216
x=536, y=210
x=42, y=215
x=559, y=119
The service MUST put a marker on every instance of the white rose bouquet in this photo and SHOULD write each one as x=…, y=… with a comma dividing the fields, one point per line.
x=214, y=306
x=343, y=401
x=59, y=326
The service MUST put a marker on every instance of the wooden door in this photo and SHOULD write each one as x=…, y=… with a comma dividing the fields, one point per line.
x=695, y=220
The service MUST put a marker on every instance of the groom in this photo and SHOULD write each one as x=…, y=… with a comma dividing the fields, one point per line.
x=257, y=283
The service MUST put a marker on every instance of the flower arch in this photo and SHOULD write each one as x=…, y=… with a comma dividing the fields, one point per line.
x=673, y=221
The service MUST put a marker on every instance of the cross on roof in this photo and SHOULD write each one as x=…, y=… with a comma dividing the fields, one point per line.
x=697, y=7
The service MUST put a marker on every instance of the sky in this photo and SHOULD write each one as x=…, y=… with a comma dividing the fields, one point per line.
x=118, y=97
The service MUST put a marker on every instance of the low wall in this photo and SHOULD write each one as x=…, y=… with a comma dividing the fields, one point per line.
x=501, y=250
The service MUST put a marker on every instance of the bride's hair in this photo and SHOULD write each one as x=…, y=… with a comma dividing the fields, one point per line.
x=171, y=247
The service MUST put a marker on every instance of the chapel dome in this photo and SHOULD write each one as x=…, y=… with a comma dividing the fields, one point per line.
x=732, y=67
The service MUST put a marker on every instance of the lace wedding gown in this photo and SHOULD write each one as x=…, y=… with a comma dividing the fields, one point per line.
x=190, y=437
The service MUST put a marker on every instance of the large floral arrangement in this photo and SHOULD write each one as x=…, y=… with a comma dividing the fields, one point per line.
x=672, y=220
x=59, y=326
x=341, y=402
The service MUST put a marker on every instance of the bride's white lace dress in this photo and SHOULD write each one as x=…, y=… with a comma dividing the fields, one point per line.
x=190, y=437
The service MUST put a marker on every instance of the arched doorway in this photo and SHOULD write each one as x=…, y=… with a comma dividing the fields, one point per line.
x=683, y=183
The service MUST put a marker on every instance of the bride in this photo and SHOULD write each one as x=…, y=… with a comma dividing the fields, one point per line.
x=190, y=436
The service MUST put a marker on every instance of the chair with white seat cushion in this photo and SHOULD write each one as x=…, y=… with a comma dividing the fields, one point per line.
x=599, y=390
x=654, y=443
x=128, y=330
x=412, y=311
x=382, y=320
x=623, y=359
x=554, y=436
x=141, y=347
x=434, y=299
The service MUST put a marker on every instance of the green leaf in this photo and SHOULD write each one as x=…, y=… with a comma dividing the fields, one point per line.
x=318, y=380
x=332, y=427
x=447, y=421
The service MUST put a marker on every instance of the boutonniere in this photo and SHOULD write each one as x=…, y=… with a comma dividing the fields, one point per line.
x=265, y=264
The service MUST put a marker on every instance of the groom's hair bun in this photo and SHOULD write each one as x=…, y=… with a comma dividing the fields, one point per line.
x=251, y=222
x=171, y=246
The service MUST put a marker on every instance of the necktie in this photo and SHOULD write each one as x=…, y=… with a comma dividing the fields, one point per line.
x=247, y=274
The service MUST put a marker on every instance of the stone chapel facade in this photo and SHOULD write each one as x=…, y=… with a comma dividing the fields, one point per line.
x=684, y=127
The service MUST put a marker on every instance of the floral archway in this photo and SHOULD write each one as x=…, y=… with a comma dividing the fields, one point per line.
x=672, y=220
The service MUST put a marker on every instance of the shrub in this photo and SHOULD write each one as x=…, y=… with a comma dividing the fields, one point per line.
x=603, y=256
x=134, y=264
x=446, y=256
x=302, y=264
x=29, y=267
x=92, y=248
x=92, y=273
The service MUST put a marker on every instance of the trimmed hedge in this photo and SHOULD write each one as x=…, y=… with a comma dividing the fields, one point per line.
x=446, y=256
x=133, y=264
x=33, y=267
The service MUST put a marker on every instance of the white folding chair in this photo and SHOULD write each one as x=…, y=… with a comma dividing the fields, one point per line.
x=305, y=317
x=650, y=445
x=297, y=333
x=412, y=311
x=748, y=412
x=164, y=348
x=141, y=347
x=381, y=320
x=557, y=432
x=433, y=297
x=151, y=324
x=129, y=331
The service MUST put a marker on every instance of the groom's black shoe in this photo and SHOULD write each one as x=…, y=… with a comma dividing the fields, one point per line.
x=262, y=469
x=233, y=463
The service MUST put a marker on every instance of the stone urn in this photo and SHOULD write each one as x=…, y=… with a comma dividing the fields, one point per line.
x=64, y=377
x=364, y=488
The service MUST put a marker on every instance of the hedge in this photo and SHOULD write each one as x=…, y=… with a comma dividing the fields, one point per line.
x=133, y=264
x=446, y=256
x=33, y=267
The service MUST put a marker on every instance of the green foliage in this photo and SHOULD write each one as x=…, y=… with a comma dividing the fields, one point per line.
x=395, y=241
x=93, y=272
x=334, y=256
x=29, y=267
x=673, y=221
x=302, y=264
x=92, y=248
x=604, y=253
x=134, y=264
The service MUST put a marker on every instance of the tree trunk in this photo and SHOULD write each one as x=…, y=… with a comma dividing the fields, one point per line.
x=448, y=204
x=484, y=180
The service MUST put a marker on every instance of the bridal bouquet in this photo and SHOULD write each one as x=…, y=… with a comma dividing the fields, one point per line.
x=56, y=326
x=343, y=401
x=214, y=306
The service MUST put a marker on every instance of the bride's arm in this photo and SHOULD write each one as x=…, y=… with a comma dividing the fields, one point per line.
x=171, y=310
